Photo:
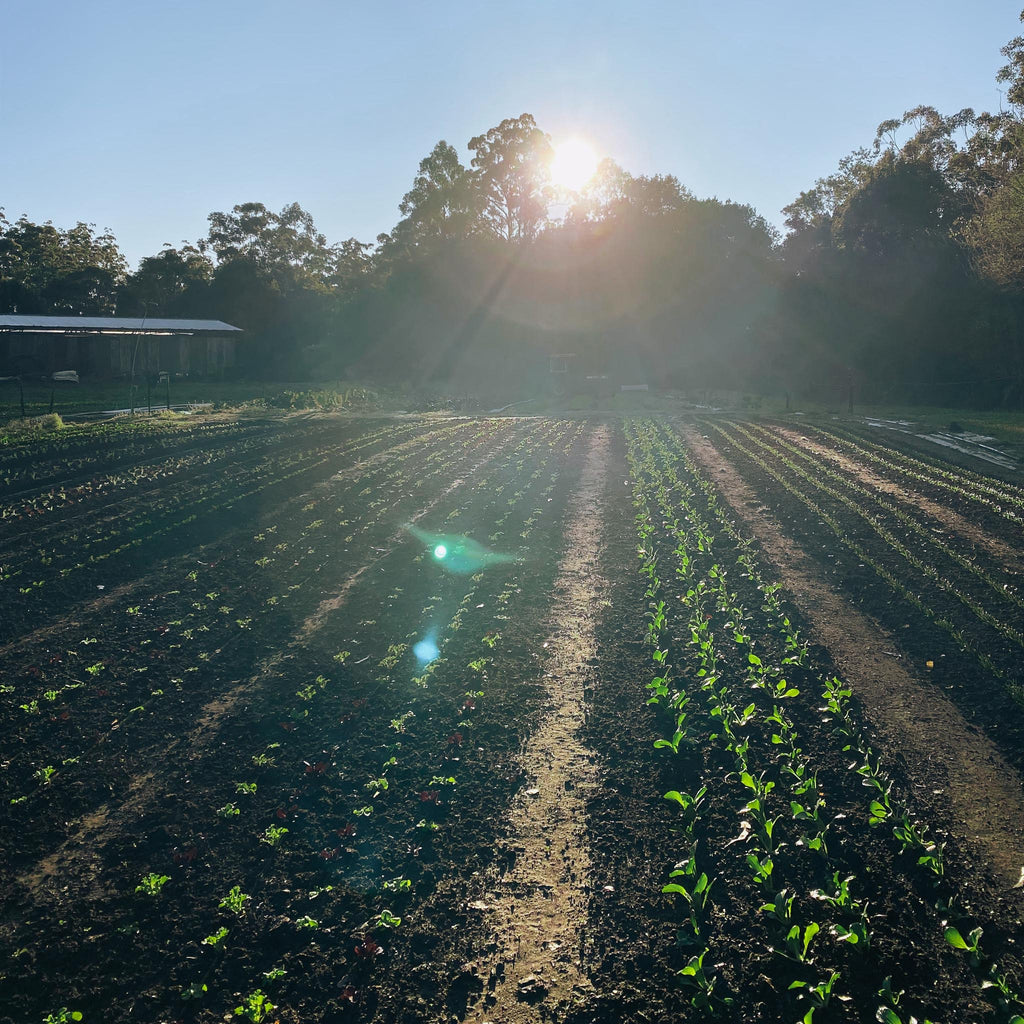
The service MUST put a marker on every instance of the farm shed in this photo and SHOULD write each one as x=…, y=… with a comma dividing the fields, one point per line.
x=105, y=346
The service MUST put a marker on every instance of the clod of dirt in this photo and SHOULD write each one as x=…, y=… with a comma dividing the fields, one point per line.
x=531, y=989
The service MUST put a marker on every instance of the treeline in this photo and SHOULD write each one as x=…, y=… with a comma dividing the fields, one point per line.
x=901, y=275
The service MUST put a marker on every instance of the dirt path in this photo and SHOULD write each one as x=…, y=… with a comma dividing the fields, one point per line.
x=1008, y=556
x=982, y=796
x=538, y=906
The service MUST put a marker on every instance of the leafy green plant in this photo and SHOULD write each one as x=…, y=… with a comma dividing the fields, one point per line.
x=62, y=1016
x=152, y=884
x=256, y=1007
x=235, y=901
x=272, y=836
x=217, y=937
x=971, y=945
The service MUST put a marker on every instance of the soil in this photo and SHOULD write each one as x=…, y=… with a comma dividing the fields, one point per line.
x=435, y=777
x=982, y=796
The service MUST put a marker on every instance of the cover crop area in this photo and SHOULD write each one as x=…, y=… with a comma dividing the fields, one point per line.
x=509, y=719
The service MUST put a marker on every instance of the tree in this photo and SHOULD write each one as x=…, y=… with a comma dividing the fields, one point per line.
x=46, y=270
x=285, y=245
x=165, y=284
x=512, y=168
x=820, y=203
x=444, y=201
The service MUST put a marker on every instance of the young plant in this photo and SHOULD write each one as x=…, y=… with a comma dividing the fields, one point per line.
x=256, y=1007
x=235, y=901
x=152, y=883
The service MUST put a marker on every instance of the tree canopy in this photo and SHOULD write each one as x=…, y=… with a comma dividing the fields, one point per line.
x=902, y=271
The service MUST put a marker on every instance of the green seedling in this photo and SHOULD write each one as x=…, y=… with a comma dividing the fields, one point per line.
x=62, y=1016
x=255, y=1008
x=971, y=945
x=235, y=901
x=820, y=994
x=216, y=938
x=388, y=920
x=272, y=836
x=798, y=942
x=694, y=975
x=152, y=883
x=689, y=804
x=194, y=991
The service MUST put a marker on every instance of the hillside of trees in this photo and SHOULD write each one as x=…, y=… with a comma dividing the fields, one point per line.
x=901, y=274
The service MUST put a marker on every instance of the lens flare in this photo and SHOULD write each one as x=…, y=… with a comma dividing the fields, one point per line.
x=426, y=650
x=440, y=551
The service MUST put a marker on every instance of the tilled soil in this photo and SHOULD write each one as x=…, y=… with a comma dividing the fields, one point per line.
x=479, y=833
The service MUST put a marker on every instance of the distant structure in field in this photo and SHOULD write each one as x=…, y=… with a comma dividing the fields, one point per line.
x=115, y=346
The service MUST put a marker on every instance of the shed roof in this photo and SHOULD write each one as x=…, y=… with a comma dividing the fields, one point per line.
x=111, y=325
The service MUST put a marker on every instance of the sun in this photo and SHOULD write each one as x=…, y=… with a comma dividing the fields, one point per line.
x=573, y=164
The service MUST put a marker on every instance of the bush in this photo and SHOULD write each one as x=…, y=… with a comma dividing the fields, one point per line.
x=37, y=424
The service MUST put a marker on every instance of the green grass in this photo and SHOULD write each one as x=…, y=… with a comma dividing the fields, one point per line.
x=103, y=395
x=100, y=396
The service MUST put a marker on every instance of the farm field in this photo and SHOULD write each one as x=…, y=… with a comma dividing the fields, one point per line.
x=510, y=719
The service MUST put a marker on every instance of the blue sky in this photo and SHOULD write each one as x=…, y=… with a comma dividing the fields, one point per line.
x=145, y=116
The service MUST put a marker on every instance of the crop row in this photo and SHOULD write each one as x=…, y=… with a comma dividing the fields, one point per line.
x=736, y=697
x=158, y=465
x=926, y=532
x=121, y=667
x=1001, y=498
x=331, y=827
x=970, y=640
x=203, y=501
x=82, y=451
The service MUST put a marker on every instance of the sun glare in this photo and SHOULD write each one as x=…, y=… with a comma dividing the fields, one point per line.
x=573, y=164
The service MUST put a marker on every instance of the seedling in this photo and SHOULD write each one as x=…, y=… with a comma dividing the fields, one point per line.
x=216, y=938
x=235, y=901
x=272, y=836
x=152, y=883
x=255, y=1008
x=971, y=945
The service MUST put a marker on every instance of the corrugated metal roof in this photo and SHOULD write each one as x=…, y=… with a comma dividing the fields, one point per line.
x=112, y=323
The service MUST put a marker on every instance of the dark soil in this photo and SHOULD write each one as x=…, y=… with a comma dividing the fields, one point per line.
x=257, y=672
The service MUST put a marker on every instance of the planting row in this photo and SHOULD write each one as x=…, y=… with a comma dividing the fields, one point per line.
x=794, y=833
